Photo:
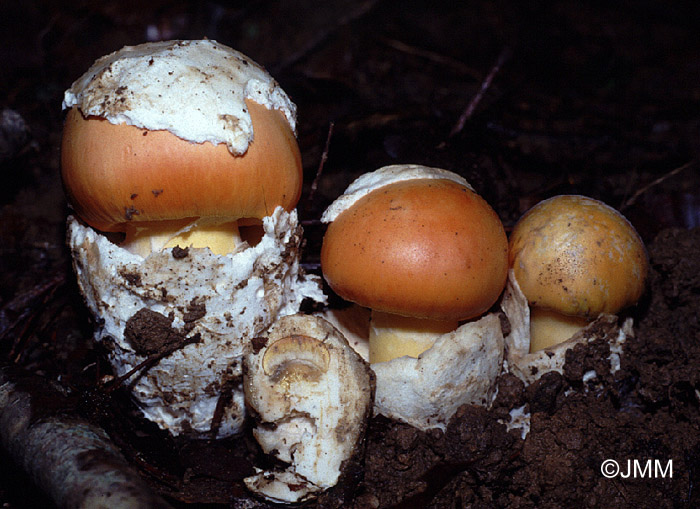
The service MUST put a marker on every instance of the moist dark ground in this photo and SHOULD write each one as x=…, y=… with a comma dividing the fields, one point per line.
x=601, y=99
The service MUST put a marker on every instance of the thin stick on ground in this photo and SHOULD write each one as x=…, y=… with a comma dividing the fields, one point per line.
x=432, y=56
x=632, y=199
x=360, y=10
x=319, y=171
x=485, y=85
x=148, y=362
x=21, y=307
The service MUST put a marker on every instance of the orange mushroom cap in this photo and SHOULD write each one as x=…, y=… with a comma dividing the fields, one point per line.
x=428, y=248
x=577, y=256
x=115, y=174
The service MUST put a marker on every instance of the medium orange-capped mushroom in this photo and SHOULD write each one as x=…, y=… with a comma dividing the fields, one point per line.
x=420, y=248
x=145, y=162
x=574, y=258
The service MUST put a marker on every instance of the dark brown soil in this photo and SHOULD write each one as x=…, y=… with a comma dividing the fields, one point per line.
x=600, y=99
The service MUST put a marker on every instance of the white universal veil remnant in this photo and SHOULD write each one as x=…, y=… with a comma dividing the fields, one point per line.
x=311, y=395
x=529, y=365
x=425, y=253
x=180, y=161
x=575, y=262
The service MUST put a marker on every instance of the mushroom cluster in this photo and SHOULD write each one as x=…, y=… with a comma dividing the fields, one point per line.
x=180, y=162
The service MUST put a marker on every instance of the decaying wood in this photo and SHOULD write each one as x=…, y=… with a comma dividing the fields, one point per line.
x=73, y=461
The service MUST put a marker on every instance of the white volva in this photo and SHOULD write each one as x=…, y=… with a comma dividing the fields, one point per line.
x=531, y=366
x=197, y=90
x=241, y=294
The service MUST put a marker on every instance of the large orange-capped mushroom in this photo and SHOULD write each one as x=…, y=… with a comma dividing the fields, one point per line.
x=420, y=248
x=181, y=143
x=163, y=182
x=575, y=258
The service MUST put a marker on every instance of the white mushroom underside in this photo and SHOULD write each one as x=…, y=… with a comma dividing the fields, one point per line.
x=242, y=294
x=311, y=393
x=147, y=85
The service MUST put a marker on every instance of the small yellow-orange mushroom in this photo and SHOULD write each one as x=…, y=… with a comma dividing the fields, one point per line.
x=574, y=258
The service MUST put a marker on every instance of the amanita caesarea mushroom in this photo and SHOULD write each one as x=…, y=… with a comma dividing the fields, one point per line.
x=573, y=260
x=420, y=248
x=311, y=395
x=174, y=145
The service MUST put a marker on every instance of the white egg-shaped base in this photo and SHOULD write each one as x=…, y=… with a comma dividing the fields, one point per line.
x=459, y=369
x=225, y=299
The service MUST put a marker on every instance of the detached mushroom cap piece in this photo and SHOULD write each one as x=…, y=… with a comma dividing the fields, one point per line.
x=577, y=257
x=173, y=142
x=161, y=135
x=311, y=394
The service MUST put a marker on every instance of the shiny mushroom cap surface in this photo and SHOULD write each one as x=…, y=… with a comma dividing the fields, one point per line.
x=423, y=247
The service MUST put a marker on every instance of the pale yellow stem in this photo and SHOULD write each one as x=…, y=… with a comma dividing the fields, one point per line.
x=549, y=328
x=221, y=238
x=392, y=336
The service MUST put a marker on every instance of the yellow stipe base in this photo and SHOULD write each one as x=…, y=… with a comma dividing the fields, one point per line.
x=549, y=328
x=221, y=238
x=392, y=336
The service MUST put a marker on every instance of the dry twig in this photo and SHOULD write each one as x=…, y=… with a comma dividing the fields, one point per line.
x=485, y=85
x=632, y=199
x=150, y=361
x=432, y=57
x=361, y=9
x=21, y=307
x=319, y=171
